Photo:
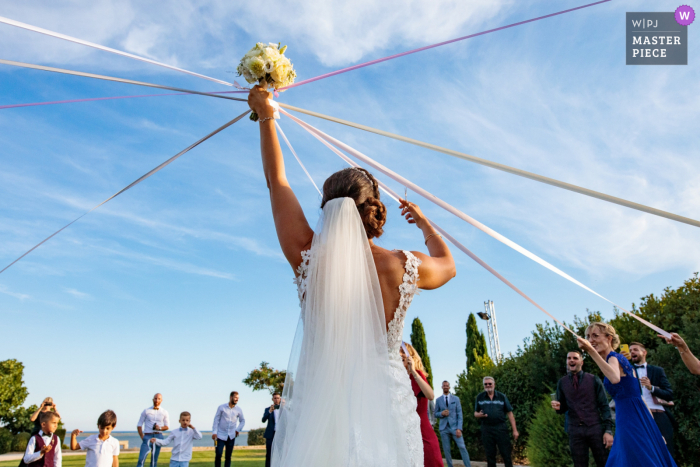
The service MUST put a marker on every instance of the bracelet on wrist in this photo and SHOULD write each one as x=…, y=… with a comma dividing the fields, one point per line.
x=265, y=119
x=431, y=236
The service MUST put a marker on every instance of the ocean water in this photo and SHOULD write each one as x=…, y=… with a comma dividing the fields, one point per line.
x=135, y=440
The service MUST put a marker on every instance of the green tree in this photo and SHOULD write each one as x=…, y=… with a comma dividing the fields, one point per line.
x=548, y=443
x=476, y=344
x=13, y=393
x=18, y=421
x=266, y=377
x=419, y=343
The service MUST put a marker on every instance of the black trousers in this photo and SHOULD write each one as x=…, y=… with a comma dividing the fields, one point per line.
x=220, y=444
x=268, y=450
x=581, y=439
x=663, y=421
x=496, y=437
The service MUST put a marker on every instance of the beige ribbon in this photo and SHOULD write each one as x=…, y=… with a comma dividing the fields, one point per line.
x=132, y=184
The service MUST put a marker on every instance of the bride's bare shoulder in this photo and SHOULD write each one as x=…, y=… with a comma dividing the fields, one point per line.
x=388, y=261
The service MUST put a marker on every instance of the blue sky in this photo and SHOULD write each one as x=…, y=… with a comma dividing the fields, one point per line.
x=178, y=286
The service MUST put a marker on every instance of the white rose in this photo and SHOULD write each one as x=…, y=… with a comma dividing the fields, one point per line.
x=256, y=66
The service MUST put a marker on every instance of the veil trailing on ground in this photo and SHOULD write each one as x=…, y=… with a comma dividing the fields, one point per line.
x=336, y=399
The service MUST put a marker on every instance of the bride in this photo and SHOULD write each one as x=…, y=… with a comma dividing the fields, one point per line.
x=347, y=398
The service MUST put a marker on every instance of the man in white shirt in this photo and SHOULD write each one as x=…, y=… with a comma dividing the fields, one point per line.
x=44, y=448
x=228, y=423
x=654, y=385
x=183, y=439
x=152, y=423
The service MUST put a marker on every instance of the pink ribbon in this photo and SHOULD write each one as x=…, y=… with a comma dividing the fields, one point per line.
x=440, y=44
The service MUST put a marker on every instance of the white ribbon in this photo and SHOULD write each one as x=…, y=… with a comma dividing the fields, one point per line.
x=276, y=107
x=449, y=237
x=297, y=157
x=132, y=184
x=434, y=199
x=12, y=22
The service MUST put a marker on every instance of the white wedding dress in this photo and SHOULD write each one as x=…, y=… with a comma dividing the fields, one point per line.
x=347, y=399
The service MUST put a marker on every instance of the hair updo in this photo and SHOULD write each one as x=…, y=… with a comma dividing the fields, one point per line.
x=358, y=184
x=608, y=330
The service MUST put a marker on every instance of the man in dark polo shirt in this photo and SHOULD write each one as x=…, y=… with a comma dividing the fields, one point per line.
x=589, y=422
x=492, y=408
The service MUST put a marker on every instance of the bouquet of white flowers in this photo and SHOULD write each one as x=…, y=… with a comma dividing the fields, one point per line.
x=267, y=65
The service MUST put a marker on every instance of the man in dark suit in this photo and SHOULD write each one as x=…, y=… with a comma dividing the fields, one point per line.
x=654, y=386
x=270, y=416
x=581, y=396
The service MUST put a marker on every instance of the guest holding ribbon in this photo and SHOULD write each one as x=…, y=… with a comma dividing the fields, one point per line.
x=638, y=441
x=152, y=423
x=182, y=439
x=689, y=359
x=424, y=393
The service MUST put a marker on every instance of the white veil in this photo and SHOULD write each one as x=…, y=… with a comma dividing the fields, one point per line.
x=337, y=406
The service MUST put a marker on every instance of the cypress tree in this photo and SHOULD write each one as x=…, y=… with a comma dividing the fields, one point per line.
x=476, y=343
x=421, y=345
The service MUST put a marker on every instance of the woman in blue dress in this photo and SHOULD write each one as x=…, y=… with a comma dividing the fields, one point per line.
x=638, y=441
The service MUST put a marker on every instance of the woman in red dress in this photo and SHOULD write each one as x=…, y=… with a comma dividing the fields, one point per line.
x=424, y=393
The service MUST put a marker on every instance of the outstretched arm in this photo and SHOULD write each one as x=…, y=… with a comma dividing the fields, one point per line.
x=438, y=267
x=689, y=359
x=612, y=372
x=293, y=229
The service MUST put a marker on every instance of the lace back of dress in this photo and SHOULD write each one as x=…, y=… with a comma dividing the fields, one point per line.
x=408, y=289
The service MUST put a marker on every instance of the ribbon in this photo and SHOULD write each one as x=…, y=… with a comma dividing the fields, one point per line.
x=505, y=168
x=434, y=199
x=402, y=54
x=449, y=237
x=111, y=78
x=12, y=22
x=132, y=184
x=297, y=158
x=72, y=101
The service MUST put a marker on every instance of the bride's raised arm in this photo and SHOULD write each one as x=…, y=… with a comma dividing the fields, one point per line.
x=293, y=229
x=438, y=268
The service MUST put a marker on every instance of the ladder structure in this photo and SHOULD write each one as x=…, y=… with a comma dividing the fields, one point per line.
x=490, y=317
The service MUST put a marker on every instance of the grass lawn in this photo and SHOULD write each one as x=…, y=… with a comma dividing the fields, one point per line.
x=242, y=458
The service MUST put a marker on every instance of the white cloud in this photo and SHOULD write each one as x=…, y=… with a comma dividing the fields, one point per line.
x=20, y=296
x=606, y=138
x=78, y=294
x=206, y=34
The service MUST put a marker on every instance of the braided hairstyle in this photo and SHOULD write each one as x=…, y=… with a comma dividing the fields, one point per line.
x=358, y=184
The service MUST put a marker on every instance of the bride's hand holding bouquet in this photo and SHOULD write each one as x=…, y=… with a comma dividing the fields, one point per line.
x=268, y=66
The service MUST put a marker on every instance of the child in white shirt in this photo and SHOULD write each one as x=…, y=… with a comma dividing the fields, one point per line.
x=183, y=439
x=102, y=449
x=44, y=448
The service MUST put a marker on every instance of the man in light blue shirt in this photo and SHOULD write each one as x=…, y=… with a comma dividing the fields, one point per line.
x=228, y=423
